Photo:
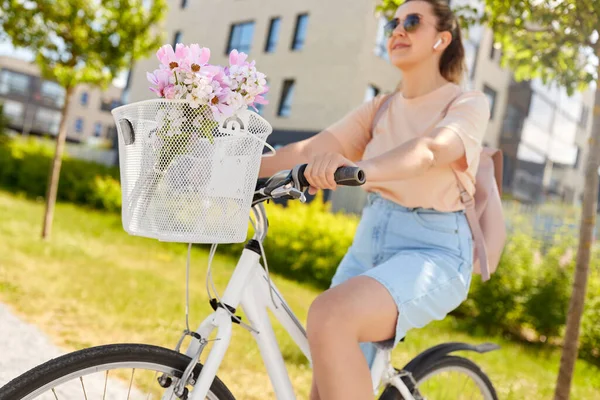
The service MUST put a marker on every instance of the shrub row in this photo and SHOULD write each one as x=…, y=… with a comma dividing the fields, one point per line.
x=25, y=167
x=528, y=295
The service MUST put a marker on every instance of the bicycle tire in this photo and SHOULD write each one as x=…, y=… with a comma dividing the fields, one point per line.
x=419, y=375
x=44, y=375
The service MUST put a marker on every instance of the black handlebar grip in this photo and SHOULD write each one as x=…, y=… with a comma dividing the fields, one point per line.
x=349, y=176
x=344, y=176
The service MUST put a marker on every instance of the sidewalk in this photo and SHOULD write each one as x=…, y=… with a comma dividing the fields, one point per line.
x=23, y=346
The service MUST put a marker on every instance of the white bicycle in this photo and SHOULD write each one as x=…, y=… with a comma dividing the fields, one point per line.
x=130, y=371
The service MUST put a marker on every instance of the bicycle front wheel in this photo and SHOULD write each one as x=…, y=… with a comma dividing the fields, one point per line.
x=116, y=371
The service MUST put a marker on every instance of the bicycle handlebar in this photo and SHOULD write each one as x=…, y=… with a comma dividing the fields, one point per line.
x=344, y=176
x=291, y=184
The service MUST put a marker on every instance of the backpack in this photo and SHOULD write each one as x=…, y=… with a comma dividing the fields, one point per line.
x=483, y=210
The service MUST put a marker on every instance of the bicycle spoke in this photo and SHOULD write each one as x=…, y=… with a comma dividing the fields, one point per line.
x=105, y=384
x=466, y=379
x=54, y=392
x=83, y=387
x=153, y=380
x=130, y=383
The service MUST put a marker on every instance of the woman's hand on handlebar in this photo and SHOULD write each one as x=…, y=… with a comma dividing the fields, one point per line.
x=320, y=171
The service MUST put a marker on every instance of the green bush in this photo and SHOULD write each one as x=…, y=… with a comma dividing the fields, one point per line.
x=306, y=242
x=25, y=166
x=545, y=309
x=497, y=305
x=590, y=325
x=529, y=295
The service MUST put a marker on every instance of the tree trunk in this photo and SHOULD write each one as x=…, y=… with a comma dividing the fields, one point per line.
x=52, y=187
x=588, y=222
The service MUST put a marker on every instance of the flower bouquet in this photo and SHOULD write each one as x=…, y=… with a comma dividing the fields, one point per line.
x=189, y=159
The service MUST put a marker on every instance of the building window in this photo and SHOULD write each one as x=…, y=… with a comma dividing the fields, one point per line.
x=108, y=105
x=79, y=125
x=371, y=93
x=184, y=3
x=381, y=40
x=177, y=38
x=583, y=119
x=52, y=94
x=287, y=95
x=273, y=35
x=493, y=51
x=111, y=132
x=513, y=121
x=84, y=99
x=14, y=83
x=577, y=158
x=540, y=112
x=47, y=121
x=300, y=32
x=491, y=95
x=564, y=128
x=240, y=37
x=98, y=129
x=13, y=111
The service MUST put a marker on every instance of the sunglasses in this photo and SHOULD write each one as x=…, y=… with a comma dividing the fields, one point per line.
x=410, y=24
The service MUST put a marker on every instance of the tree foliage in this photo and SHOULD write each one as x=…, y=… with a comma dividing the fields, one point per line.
x=553, y=40
x=83, y=41
x=80, y=41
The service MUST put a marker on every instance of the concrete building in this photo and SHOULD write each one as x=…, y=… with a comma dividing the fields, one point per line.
x=317, y=67
x=544, y=141
x=323, y=59
x=33, y=105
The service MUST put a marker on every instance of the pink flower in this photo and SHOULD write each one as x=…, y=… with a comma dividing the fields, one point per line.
x=160, y=78
x=236, y=58
x=170, y=92
x=260, y=100
x=197, y=57
x=172, y=59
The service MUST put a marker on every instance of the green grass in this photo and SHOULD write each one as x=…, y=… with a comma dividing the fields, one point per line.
x=93, y=284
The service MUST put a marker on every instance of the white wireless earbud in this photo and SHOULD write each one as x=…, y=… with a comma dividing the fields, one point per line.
x=437, y=44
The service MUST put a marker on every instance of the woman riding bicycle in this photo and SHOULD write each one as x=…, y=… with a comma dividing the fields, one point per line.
x=411, y=259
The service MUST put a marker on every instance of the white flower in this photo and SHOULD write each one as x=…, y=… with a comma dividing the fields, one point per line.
x=169, y=121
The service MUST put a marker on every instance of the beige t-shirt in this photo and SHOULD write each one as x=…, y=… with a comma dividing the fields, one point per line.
x=406, y=119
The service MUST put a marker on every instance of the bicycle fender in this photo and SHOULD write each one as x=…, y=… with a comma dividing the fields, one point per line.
x=434, y=353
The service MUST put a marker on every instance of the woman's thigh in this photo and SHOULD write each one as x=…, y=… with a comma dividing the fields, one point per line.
x=360, y=306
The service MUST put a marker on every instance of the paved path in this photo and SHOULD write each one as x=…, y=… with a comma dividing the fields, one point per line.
x=23, y=346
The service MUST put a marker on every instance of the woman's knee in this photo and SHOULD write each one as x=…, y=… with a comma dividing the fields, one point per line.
x=327, y=318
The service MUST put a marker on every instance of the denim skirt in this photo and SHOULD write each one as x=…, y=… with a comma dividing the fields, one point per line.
x=423, y=257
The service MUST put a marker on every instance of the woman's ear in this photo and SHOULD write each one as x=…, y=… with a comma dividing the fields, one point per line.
x=443, y=41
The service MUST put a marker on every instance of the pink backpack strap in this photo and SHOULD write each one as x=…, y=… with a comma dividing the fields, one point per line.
x=469, y=203
x=382, y=108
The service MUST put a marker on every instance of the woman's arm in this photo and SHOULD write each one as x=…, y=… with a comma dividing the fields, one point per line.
x=456, y=139
x=415, y=157
x=300, y=153
x=411, y=159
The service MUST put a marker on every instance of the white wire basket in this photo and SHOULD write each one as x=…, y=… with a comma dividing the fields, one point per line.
x=186, y=177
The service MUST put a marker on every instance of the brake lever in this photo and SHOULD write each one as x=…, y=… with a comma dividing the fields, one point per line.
x=288, y=191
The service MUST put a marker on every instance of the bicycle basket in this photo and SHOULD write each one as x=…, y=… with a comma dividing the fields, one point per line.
x=186, y=177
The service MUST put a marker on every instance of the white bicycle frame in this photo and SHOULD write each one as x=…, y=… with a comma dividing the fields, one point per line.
x=250, y=288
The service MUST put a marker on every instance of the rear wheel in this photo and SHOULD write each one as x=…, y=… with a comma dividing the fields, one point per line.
x=117, y=371
x=450, y=377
